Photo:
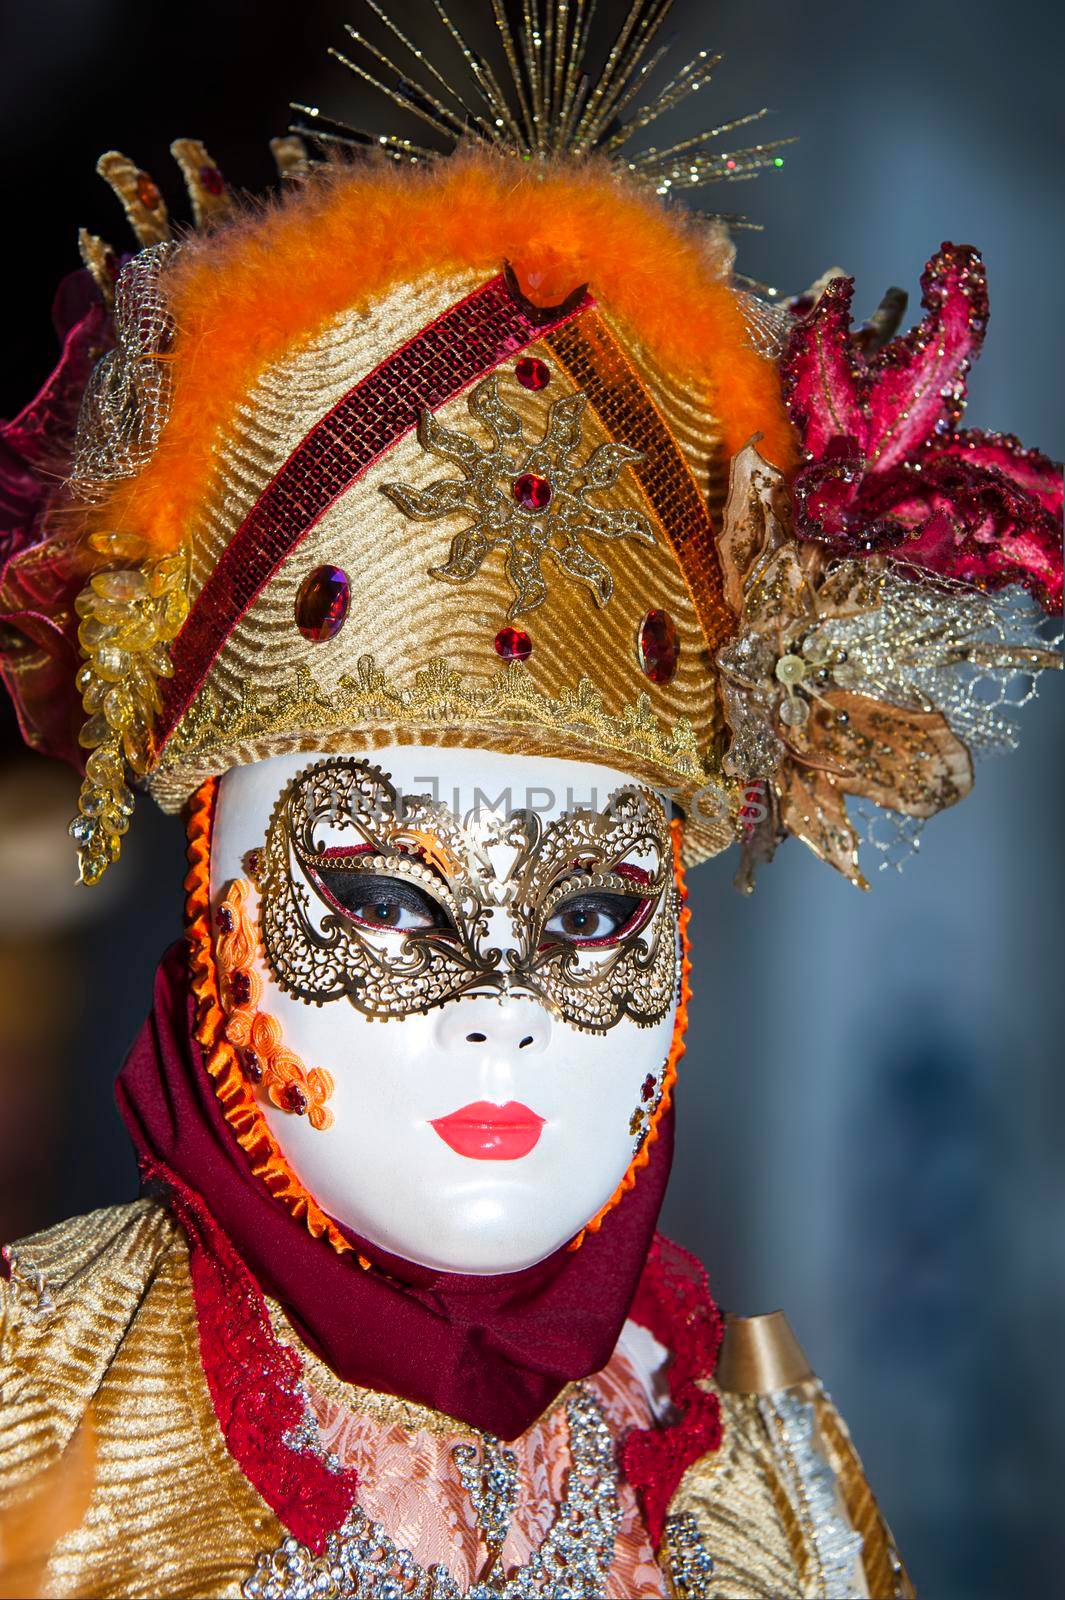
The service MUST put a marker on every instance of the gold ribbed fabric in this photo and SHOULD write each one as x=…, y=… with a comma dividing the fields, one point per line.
x=737, y=1498
x=166, y=1509
x=115, y=1479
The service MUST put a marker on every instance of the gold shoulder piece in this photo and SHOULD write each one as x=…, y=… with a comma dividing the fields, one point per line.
x=884, y=1569
x=783, y=1508
x=760, y=1355
x=64, y=1308
x=112, y=1462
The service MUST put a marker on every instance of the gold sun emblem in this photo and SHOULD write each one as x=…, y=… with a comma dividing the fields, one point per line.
x=530, y=500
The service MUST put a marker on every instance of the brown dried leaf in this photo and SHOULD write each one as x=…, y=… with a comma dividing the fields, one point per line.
x=909, y=761
x=813, y=809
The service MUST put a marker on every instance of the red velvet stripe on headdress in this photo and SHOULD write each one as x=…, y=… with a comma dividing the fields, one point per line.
x=460, y=346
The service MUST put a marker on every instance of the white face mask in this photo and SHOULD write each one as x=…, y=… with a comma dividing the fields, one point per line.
x=446, y=970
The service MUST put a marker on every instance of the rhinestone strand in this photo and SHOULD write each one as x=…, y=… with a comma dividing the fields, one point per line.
x=362, y=1562
x=691, y=1566
x=491, y=1481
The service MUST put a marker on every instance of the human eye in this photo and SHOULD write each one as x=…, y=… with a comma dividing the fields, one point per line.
x=380, y=902
x=592, y=918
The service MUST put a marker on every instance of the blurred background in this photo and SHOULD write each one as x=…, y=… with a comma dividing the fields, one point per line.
x=872, y=1103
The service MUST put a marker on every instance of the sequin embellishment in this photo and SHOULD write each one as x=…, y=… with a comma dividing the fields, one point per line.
x=691, y=1566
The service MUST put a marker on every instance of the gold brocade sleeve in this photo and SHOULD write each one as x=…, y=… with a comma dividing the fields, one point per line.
x=114, y=1477
x=749, y=1504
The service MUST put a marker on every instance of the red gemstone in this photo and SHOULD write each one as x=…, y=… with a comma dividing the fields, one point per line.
x=658, y=646
x=322, y=603
x=225, y=919
x=251, y=1066
x=532, y=374
x=295, y=1099
x=212, y=180
x=147, y=193
x=513, y=645
x=240, y=988
x=647, y=1092
x=251, y=863
x=531, y=492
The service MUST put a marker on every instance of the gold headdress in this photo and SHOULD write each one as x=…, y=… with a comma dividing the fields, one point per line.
x=437, y=450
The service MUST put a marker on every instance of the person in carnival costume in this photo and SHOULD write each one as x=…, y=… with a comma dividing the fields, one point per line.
x=469, y=554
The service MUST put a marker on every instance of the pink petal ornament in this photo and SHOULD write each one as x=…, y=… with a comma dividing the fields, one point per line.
x=887, y=468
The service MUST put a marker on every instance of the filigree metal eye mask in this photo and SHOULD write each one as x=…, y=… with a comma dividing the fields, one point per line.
x=394, y=903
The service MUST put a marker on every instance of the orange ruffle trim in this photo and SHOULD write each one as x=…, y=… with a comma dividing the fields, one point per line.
x=273, y=278
x=676, y=1047
x=235, y=1095
x=237, y=1098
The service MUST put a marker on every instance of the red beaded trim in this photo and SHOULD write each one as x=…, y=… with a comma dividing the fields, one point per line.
x=596, y=363
x=460, y=346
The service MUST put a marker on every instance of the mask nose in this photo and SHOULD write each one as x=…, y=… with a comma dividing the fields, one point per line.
x=509, y=1028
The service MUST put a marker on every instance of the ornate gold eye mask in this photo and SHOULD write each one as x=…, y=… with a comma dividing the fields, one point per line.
x=394, y=903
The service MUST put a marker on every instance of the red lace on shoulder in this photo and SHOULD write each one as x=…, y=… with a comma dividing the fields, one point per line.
x=254, y=1379
x=673, y=1302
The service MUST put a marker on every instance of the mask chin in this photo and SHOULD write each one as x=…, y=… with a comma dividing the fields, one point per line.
x=478, y=1135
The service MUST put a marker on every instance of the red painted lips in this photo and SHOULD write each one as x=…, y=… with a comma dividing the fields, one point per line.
x=490, y=1133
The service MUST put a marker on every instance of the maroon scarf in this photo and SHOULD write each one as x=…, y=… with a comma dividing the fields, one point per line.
x=492, y=1351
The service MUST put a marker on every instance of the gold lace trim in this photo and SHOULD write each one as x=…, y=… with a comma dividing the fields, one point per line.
x=212, y=725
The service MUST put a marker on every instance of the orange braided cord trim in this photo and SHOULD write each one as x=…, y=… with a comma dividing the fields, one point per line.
x=235, y=1095
x=676, y=1047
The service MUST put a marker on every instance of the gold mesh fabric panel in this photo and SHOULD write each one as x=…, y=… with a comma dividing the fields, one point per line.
x=170, y=1512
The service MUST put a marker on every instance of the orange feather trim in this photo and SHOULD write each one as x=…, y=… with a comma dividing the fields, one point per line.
x=220, y=1055
x=676, y=1047
x=270, y=280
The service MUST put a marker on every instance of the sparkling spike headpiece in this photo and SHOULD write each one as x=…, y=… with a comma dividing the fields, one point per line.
x=548, y=103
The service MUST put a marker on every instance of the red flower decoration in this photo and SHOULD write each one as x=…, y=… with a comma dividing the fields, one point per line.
x=888, y=469
x=42, y=573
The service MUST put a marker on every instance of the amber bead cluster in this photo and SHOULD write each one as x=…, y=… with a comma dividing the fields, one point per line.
x=128, y=615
